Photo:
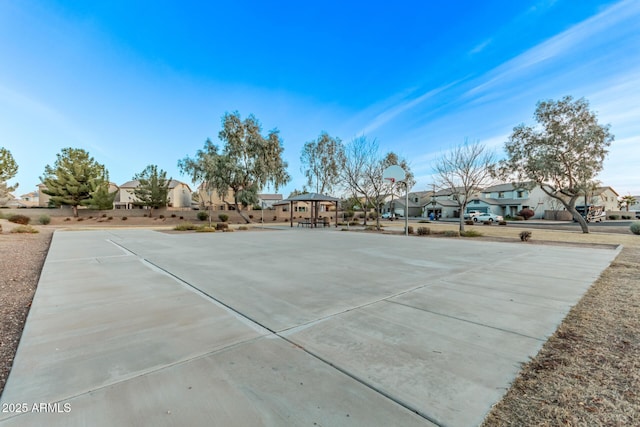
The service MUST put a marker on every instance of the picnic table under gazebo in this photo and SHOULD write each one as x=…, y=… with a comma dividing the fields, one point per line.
x=314, y=199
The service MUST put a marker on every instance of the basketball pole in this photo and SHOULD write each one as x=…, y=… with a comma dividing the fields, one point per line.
x=406, y=207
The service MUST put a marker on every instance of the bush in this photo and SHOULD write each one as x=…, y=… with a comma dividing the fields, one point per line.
x=243, y=228
x=124, y=218
x=104, y=215
x=469, y=222
x=518, y=218
x=222, y=226
x=424, y=221
x=181, y=217
x=354, y=223
x=223, y=217
x=19, y=219
x=471, y=233
x=80, y=219
x=205, y=229
x=349, y=214
x=626, y=217
x=526, y=213
x=275, y=217
x=173, y=215
x=67, y=219
x=502, y=222
x=614, y=217
x=24, y=229
x=635, y=227
x=161, y=216
x=424, y=231
x=44, y=219
x=144, y=215
x=202, y=216
x=525, y=236
x=185, y=226
x=110, y=218
x=410, y=229
x=451, y=233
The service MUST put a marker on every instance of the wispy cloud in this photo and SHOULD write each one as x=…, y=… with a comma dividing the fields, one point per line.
x=561, y=44
x=480, y=47
x=402, y=107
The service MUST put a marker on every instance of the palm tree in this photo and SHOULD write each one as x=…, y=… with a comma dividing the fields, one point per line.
x=628, y=200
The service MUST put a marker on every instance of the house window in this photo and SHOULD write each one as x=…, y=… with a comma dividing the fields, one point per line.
x=520, y=194
x=476, y=202
x=501, y=195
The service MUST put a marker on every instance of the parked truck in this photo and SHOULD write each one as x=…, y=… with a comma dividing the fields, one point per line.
x=592, y=213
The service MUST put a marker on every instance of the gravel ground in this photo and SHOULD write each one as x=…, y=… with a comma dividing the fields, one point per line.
x=21, y=260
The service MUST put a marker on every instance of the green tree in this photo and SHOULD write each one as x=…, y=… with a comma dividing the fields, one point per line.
x=102, y=199
x=320, y=162
x=627, y=201
x=153, y=188
x=73, y=179
x=463, y=171
x=8, y=169
x=247, y=162
x=563, y=155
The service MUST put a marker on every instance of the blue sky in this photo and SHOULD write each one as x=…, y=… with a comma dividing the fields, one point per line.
x=138, y=83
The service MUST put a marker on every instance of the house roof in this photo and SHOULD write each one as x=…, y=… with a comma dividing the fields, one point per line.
x=603, y=189
x=270, y=196
x=135, y=183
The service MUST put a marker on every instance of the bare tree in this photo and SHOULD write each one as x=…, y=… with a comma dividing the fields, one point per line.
x=361, y=170
x=463, y=171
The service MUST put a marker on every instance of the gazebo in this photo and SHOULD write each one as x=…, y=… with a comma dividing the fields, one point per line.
x=314, y=199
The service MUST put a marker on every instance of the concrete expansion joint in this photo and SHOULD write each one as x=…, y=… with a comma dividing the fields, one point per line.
x=469, y=321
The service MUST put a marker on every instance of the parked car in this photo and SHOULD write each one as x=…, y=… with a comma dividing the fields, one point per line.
x=487, y=217
x=471, y=215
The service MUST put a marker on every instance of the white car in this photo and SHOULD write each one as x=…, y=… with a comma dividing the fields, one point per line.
x=487, y=217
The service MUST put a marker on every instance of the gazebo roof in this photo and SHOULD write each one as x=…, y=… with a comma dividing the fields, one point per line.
x=311, y=197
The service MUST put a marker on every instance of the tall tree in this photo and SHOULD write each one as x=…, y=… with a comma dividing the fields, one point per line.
x=361, y=170
x=563, y=155
x=153, y=188
x=247, y=162
x=463, y=171
x=73, y=179
x=320, y=162
x=8, y=169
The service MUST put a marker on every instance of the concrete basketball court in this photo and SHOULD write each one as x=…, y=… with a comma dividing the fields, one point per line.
x=287, y=327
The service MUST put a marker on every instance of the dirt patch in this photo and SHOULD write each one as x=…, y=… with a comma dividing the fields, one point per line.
x=588, y=372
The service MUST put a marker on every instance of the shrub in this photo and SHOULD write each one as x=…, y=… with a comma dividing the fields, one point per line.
x=185, y=226
x=202, y=216
x=223, y=217
x=161, y=216
x=124, y=218
x=275, y=217
x=243, y=228
x=205, y=229
x=361, y=215
x=635, y=227
x=424, y=221
x=250, y=216
x=518, y=218
x=471, y=233
x=110, y=218
x=80, y=219
x=349, y=214
x=468, y=222
x=424, y=231
x=44, y=219
x=67, y=219
x=24, y=229
x=626, y=217
x=614, y=217
x=19, y=219
x=104, y=215
x=144, y=215
x=354, y=223
x=452, y=233
x=502, y=222
x=173, y=215
x=90, y=217
x=222, y=226
x=526, y=213
x=487, y=222
x=525, y=236
x=410, y=230
x=181, y=217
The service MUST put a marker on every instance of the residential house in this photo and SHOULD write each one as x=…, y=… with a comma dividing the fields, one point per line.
x=602, y=196
x=179, y=195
